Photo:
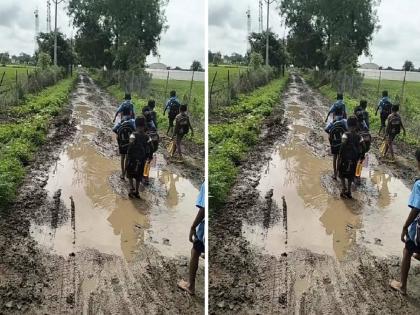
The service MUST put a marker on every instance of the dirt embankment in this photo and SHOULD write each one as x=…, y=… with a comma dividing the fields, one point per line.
x=278, y=275
x=49, y=266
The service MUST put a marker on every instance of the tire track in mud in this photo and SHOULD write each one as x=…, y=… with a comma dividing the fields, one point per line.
x=243, y=278
x=83, y=280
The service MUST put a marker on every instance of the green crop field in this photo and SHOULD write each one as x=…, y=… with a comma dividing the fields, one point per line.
x=409, y=109
x=222, y=73
x=10, y=73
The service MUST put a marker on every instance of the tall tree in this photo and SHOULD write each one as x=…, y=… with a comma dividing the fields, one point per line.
x=344, y=26
x=408, y=66
x=64, y=52
x=132, y=27
x=277, y=54
x=196, y=66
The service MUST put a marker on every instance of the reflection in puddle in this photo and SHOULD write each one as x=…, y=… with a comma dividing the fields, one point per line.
x=104, y=220
x=317, y=220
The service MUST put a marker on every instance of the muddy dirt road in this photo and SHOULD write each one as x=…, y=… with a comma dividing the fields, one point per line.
x=75, y=243
x=286, y=243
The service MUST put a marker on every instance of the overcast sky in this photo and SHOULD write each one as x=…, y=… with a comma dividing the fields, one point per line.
x=182, y=43
x=396, y=41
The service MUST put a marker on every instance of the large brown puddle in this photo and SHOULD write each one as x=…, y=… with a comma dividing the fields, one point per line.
x=316, y=219
x=107, y=221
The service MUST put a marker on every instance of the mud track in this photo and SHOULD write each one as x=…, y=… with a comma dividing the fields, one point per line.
x=275, y=253
x=58, y=257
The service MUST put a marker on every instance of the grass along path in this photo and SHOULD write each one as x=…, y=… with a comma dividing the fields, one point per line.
x=21, y=136
x=235, y=134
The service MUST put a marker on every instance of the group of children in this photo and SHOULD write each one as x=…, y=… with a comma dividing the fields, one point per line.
x=138, y=137
x=350, y=141
x=350, y=138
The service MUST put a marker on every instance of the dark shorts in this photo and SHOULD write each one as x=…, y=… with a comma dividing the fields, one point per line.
x=171, y=121
x=391, y=137
x=347, y=171
x=412, y=247
x=383, y=121
x=198, y=246
x=135, y=169
x=122, y=150
x=335, y=150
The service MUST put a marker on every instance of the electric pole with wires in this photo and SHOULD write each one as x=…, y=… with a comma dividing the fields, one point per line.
x=56, y=2
x=267, y=63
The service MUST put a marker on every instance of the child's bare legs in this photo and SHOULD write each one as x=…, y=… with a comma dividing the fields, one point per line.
x=178, y=145
x=335, y=157
x=130, y=180
x=405, y=268
x=391, y=148
x=123, y=164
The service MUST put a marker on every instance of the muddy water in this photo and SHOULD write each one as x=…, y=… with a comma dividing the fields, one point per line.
x=104, y=220
x=317, y=219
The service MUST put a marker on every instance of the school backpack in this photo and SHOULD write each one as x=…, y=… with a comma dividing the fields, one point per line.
x=139, y=148
x=124, y=132
x=367, y=139
x=336, y=133
x=184, y=124
x=126, y=108
x=154, y=136
x=173, y=108
x=394, y=124
x=350, y=153
x=339, y=109
x=386, y=109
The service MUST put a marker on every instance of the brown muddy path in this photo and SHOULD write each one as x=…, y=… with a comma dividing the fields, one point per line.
x=286, y=243
x=74, y=243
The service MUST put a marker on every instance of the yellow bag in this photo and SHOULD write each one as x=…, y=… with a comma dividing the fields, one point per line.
x=382, y=148
x=171, y=148
x=146, y=170
x=359, y=168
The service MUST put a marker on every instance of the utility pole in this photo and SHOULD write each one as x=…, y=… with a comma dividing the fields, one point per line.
x=56, y=2
x=48, y=16
x=248, y=16
x=267, y=34
x=36, y=27
x=260, y=17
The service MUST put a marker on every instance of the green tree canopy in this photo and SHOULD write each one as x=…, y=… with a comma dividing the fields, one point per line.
x=408, y=66
x=64, y=52
x=344, y=28
x=129, y=30
x=196, y=66
x=276, y=54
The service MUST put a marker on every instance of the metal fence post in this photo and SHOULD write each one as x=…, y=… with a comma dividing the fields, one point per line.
x=191, y=85
x=211, y=89
x=379, y=83
x=402, y=89
x=228, y=87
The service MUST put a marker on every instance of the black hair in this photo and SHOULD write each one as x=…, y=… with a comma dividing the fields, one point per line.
x=183, y=107
x=384, y=93
x=363, y=103
x=340, y=96
x=395, y=108
x=151, y=104
x=352, y=121
x=172, y=93
x=418, y=155
x=127, y=96
x=140, y=122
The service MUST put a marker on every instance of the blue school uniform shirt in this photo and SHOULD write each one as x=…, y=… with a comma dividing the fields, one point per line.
x=127, y=104
x=414, y=202
x=201, y=203
x=168, y=102
x=338, y=119
x=339, y=104
x=381, y=103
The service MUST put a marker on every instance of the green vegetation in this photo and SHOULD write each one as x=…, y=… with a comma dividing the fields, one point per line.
x=410, y=111
x=231, y=140
x=222, y=73
x=20, y=138
x=10, y=74
x=157, y=92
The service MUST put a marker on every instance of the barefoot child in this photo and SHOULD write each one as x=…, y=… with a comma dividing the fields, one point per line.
x=336, y=129
x=182, y=128
x=350, y=152
x=393, y=129
x=410, y=234
x=139, y=151
x=197, y=238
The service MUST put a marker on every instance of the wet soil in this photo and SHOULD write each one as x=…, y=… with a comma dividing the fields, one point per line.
x=286, y=243
x=75, y=243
